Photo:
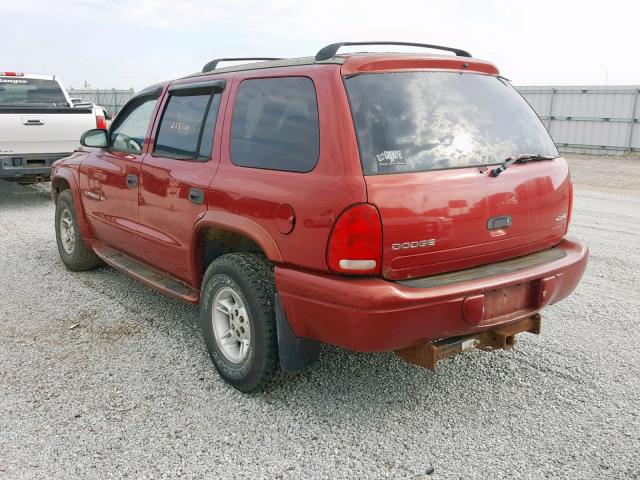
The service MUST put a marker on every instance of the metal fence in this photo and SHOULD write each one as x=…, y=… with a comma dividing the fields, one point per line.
x=589, y=119
x=112, y=100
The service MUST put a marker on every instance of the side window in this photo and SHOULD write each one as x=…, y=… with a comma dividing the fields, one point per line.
x=187, y=126
x=127, y=134
x=275, y=125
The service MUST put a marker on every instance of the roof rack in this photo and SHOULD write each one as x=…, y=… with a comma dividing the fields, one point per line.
x=330, y=50
x=213, y=63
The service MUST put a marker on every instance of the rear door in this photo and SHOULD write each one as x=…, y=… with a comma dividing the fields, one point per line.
x=110, y=177
x=177, y=172
x=427, y=143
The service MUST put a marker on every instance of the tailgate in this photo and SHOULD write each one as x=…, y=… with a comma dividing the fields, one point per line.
x=427, y=141
x=438, y=221
x=43, y=130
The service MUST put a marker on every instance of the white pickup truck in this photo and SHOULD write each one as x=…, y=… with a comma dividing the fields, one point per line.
x=38, y=125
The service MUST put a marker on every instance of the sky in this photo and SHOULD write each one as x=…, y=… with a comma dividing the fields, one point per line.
x=135, y=43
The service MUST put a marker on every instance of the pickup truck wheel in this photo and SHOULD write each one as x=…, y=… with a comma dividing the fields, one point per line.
x=238, y=319
x=73, y=251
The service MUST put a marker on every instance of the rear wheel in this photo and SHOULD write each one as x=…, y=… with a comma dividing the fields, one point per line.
x=238, y=319
x=73, y=251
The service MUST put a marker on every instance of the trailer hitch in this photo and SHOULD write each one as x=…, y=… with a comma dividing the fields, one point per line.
x=427, y=355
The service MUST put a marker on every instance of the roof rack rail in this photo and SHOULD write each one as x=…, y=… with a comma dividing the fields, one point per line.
x=213, y=63
x=330, y=50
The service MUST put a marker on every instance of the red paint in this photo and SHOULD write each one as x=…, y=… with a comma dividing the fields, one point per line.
x=413, y=62
x=452, y=207
x=473, y=309
x=285, y=219
x=317, y=197
x=370, y=314
x=546, y=288
x=103, y=176
x=291, y=216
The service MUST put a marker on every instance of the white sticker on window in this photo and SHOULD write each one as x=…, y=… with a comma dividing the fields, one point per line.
x=391, y=157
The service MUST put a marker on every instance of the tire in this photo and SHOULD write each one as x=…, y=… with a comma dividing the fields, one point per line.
x=73, y=251
x=242, y=286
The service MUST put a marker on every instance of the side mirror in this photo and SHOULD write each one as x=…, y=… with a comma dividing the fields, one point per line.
x=95, y=138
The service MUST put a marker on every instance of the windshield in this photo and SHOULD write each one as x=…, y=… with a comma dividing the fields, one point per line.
x=419, y=121
x=27, y=92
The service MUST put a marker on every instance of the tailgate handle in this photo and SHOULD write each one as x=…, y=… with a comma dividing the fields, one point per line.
x=502, y=221
x=33, y=119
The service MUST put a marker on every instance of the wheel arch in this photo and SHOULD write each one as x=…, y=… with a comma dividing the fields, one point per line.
x=219, y=233
x=58, y=184
x=65, y=180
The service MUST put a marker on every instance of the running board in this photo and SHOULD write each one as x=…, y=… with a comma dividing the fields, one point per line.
x=146, y=274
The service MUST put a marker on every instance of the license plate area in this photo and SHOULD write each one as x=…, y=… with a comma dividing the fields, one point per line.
x=505, y=301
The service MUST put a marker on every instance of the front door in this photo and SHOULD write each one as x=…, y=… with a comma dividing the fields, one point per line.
x=110, y=177
x=176, y=174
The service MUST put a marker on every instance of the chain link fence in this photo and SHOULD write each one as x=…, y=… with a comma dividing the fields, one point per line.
x=111, y=99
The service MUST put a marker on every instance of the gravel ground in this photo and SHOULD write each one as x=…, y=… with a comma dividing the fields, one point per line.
x=100, y=377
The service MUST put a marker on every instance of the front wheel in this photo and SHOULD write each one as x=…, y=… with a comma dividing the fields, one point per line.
x=75, y=254
x=238, y=319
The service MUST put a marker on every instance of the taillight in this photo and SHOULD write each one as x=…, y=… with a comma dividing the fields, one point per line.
x=11, y=74
x=101, y=122
x=570, y=208
x=355, y=245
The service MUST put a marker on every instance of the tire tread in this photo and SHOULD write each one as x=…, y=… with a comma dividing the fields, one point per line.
x=82, y=258
x=257, y=272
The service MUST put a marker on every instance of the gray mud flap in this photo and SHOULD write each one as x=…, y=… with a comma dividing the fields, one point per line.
x=295, y=353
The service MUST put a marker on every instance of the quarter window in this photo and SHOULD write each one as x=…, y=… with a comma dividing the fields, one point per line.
x=187, y=125
x=275, y=125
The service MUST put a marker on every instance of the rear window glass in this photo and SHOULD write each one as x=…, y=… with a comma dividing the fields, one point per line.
x=275, y=125
x=21, y=92
x=181, y=134
x=419, y=121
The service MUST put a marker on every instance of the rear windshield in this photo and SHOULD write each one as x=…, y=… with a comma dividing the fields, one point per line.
x=419, y=121
x=21, y=92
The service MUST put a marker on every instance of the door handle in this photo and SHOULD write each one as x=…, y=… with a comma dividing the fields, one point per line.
x=196, y=196
x=499, y=222
x=132, y=180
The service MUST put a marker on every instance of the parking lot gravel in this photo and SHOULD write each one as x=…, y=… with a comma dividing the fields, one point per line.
x=101, y=377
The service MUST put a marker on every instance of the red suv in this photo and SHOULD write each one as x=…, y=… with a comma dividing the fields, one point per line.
x=374, y=201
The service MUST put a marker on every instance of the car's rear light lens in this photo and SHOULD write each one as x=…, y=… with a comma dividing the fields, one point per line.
x=355, y=245
x=101, y=122
x=11, y=74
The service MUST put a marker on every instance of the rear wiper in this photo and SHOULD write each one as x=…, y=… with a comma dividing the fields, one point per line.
x=520, y=159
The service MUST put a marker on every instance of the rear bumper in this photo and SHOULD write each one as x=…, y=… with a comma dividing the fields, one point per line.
x=27, y=166
x=372, y=314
